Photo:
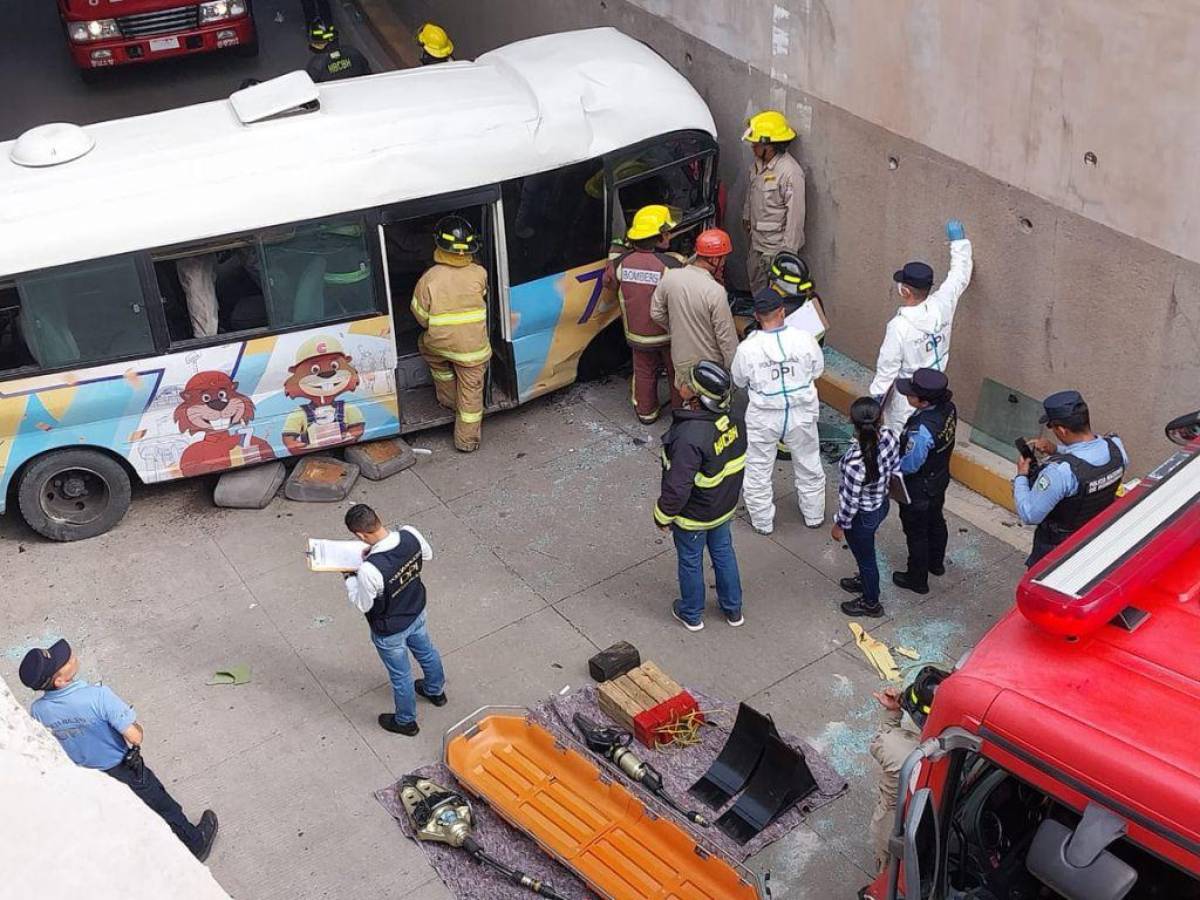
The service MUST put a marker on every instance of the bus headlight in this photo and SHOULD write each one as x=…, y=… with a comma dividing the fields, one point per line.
x=220, y=10
x=95, y=30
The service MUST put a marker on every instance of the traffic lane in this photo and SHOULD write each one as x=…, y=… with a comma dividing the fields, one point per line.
x=48, y=87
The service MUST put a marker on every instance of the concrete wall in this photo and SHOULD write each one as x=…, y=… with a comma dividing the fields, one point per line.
x=72, y=832
x=988, y=109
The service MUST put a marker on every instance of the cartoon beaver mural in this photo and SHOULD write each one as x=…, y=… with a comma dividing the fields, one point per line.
x=210, y=404
x=322, y=373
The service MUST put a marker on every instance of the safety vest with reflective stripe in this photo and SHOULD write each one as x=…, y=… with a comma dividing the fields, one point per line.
x=636, y=274
x=703, y=458
x=450, y=303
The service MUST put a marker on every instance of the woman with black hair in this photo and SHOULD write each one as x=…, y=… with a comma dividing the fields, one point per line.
x=866, y=469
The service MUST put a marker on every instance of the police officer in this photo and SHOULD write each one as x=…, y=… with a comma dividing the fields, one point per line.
x=1079, y=478
x=388, y=590
x=918, y=336
x=99, y=730
x=635, y=273
x=773, y=214
x=903, y=716
x=436, y=46
x=926, y=445
x=337, y=62
x=450, y=303
x=779, y=366
x=703, y=454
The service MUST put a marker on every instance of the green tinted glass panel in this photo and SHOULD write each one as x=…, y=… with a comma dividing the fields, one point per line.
x=317, y=272
x=1003, y=415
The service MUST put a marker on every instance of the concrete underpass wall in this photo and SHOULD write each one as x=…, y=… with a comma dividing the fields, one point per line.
x=988, y=111
x=72, y=832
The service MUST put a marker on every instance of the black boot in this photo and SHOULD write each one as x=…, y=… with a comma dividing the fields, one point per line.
x=207, y=826
x=858, y=607
x=904, y=580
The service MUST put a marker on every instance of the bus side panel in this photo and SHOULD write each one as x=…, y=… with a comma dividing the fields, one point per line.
x=212, y=408
x=553, y=320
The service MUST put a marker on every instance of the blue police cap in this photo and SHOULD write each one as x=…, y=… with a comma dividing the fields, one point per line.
x=925, y=384
x=39, y=665
x=1061, y=405
x=767, y=301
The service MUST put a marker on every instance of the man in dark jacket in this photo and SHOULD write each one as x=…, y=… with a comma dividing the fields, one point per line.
x=336, y=62
x=926, y=445
x=703, y=455
x=388, y=590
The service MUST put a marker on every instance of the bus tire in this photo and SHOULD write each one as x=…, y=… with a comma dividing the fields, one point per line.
x=607, y=352
x=70, y=495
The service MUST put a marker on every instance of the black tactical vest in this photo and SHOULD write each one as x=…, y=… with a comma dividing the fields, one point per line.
x=403, y=596
x=1097, y=489
x=932, y=479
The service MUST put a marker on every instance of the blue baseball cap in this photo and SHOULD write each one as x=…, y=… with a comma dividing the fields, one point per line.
x=916, y=275
x=1061, y=405
x=767, y=300
x=40, y=664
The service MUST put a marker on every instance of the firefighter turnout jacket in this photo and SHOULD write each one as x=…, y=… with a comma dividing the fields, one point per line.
x=450, y=303
x=703, y=455
x=635, y=274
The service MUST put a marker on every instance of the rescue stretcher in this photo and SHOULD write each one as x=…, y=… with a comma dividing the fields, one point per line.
x=595, y=827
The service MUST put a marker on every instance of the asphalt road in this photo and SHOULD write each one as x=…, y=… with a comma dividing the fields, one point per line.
x=41, y=84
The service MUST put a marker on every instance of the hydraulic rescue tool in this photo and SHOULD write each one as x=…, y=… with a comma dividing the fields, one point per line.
x=443, y=816
x=613, y=744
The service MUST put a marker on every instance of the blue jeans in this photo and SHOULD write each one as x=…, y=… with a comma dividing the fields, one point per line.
x=861, y=538
x=689, y=547
x=393, y=650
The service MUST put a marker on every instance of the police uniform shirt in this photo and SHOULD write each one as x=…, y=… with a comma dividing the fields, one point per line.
x=1056, y=481
x=88, y=720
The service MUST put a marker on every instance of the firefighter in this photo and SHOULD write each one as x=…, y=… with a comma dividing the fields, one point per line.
x=703, y=454
x=635, y=272
x=926, y=445
x=773, y=215
x=903, y=716
x=450, y=303
x=779, y=366
x=693, y=305
x=436, y=46
x=319, y=19
x=918, y=336
x=1079, y=480
x=336, y=62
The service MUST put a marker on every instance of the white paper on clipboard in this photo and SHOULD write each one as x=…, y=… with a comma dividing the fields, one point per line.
x=807, y=318
x=335, y=556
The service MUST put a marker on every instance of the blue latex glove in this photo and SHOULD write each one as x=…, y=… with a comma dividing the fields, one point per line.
x=955, y=230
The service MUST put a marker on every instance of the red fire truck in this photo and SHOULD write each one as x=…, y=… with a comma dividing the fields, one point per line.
x=1062, y=756
x=104, y=33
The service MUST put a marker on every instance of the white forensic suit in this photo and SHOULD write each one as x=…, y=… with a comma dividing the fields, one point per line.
x=779, y=368
x=918, y=337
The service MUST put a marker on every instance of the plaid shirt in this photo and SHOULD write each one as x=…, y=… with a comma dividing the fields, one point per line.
x=854, y=494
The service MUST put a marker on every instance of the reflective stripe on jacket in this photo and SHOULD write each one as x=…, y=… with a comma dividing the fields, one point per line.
x=635, y=274
x=450, y=303
x=703, y=455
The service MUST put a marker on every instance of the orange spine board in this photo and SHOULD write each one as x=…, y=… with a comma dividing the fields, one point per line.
x=594, y=827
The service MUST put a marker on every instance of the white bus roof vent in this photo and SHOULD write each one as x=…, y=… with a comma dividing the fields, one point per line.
x=51, y=145
x=287, y=95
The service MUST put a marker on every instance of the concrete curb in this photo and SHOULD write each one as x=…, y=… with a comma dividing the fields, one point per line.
x=980, y=470
x=394, y=35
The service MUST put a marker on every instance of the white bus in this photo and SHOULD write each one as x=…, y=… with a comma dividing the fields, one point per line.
x=228, y=283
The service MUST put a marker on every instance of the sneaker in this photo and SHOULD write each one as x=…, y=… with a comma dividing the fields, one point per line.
x=764, y=529
x=735, y=620
x=818, y=524
x=852, y=585
x=690, y=626
x=435, y=699
x=387, y=721
x=207, y=826
x=858, y=607
x=904, y=580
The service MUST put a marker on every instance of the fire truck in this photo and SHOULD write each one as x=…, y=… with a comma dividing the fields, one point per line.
x=1061, y=758
x=106, y=33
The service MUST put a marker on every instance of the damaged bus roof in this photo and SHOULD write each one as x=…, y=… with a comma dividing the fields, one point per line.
x=206, y=170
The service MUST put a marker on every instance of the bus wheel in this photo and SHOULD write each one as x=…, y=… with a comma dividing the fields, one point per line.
x=69, y=495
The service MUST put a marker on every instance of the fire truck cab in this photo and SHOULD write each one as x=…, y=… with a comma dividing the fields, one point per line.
x=106, y=33
x=1062, y=756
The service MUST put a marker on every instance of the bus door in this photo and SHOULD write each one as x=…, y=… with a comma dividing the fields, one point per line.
x=406, y=233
